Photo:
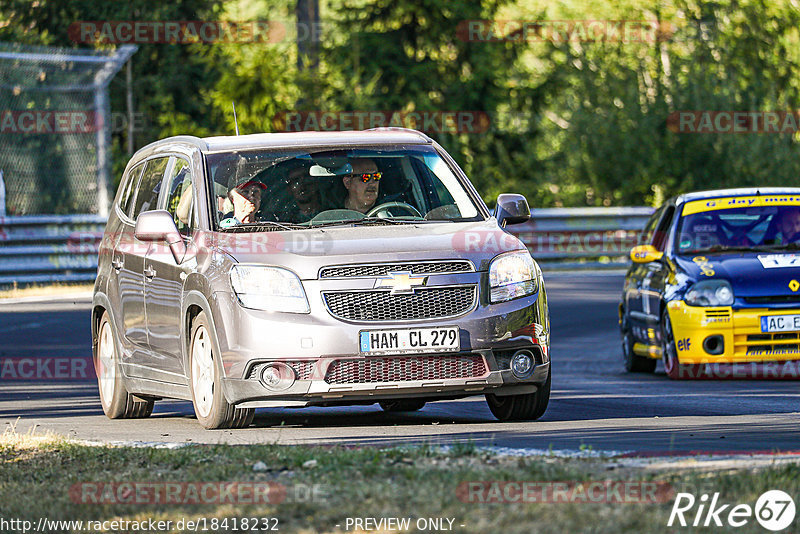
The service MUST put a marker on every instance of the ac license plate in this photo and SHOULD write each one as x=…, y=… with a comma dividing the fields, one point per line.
x=402, y=340
x=780, y=323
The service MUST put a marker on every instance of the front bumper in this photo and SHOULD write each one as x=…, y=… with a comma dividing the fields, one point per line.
x=250, y=392
x=312, y=343
x=739, y=330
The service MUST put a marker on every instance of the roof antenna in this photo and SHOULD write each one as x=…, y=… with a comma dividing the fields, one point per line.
x=235, y=122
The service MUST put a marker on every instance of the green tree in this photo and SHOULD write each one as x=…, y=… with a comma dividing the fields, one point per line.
x=165, y=76
x=408, y=55
x=736, y=56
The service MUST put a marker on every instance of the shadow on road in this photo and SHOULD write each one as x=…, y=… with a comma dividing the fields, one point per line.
x=609, y=439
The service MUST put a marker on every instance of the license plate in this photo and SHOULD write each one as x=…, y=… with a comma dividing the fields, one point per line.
x=400, y=340
x=780, y=323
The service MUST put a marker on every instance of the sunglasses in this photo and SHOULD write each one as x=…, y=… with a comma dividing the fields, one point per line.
x=367, y=175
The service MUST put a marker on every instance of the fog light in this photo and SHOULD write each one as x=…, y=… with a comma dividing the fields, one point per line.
x=714, y=344
x=277, y=376
x=522, y=364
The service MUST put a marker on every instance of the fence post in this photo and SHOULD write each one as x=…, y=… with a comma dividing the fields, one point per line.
x=2, y=195
x=103, y=129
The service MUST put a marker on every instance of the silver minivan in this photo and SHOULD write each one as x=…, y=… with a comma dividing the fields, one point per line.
x=314, y=269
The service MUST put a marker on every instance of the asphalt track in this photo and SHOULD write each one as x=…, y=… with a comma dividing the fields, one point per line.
x=594, y=406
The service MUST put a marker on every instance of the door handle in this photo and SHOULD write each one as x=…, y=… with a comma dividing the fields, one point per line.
x=117, y=262
x=149, y=272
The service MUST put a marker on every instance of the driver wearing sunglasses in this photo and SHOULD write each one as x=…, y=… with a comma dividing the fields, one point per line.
x=362, y=185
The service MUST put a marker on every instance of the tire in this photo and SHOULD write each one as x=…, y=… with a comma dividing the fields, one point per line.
x=210, y=406
x=528, y=407
x=633, y=362
x=675, y=370
x=402, y=405
x=115, y=399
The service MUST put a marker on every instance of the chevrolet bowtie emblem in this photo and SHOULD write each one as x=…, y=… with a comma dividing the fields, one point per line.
x=401, y=283
x=794, y=285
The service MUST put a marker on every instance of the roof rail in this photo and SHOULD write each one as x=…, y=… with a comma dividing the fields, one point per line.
x=399, y=129
x=190, y=139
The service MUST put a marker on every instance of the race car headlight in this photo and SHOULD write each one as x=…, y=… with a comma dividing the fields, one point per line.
x=710, y=293
x=512, y=275
x=268, y=288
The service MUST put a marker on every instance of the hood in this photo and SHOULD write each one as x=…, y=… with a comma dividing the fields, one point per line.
x=306, y=251
x=750, y=274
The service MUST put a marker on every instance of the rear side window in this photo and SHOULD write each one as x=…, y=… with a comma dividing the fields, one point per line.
x=660, y=235
x=646, y=237
x=128, y=187
x=149, y=186
x=179, y=199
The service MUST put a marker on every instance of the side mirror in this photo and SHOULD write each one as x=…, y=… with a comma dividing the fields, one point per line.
x=158, y=227
x=645, y=254
x=511, y=209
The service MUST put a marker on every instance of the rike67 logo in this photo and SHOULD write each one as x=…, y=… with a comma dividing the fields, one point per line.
x=774, y=510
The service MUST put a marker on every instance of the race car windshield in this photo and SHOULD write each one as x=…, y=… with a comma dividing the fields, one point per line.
x=755, y=228
x=304, y=189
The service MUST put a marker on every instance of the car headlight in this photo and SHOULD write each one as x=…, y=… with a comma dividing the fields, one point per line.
x=512, y=275
x=710, y=293
x=268, y=288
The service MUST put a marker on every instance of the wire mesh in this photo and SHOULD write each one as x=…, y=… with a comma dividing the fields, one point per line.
x=55, y=128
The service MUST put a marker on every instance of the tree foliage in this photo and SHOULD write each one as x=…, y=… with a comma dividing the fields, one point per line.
x=730, y=57
x=572, y=123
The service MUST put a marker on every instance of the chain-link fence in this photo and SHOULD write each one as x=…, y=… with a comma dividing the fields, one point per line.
x=55, y=128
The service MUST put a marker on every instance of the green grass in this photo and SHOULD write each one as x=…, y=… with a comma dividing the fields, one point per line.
x=38, y=472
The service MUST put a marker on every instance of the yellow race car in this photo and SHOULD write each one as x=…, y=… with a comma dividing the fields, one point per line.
x=714, y=290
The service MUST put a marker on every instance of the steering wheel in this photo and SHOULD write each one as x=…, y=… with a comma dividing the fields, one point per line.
x=384, y=208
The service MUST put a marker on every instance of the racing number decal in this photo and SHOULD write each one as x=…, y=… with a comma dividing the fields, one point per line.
x=704, y=264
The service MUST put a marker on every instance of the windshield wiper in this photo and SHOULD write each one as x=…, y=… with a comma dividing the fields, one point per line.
x=777, y=246
x=743, y=248
x=366, y=221
x=729, y=248
x=263, y=225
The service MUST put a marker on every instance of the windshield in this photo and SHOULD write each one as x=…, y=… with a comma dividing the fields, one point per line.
x=763, y=223
x=280, y=189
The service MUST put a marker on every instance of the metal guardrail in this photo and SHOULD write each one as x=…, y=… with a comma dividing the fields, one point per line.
x=49, y=248
x=582, y=238
x=63, y=248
